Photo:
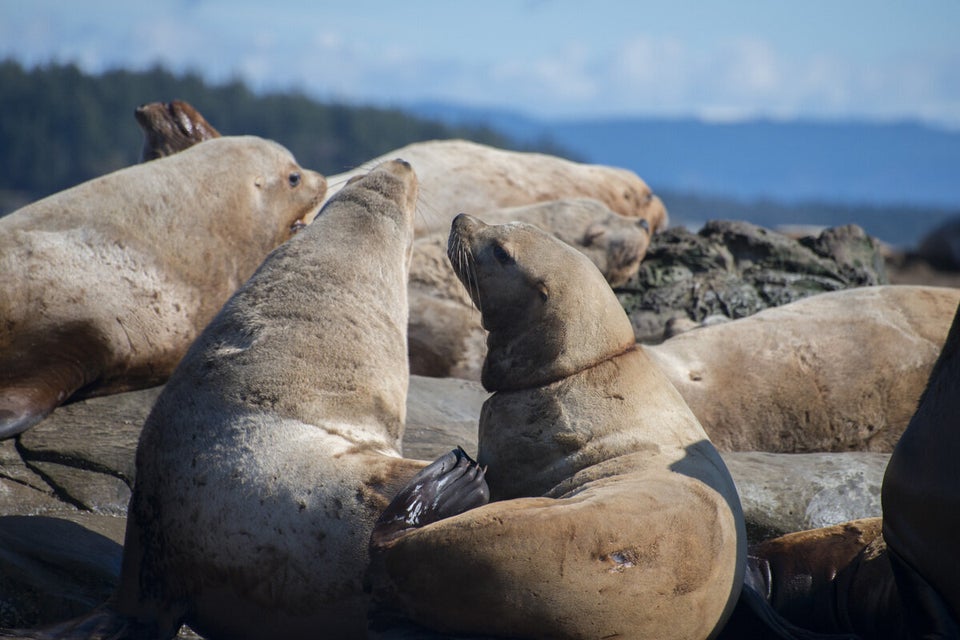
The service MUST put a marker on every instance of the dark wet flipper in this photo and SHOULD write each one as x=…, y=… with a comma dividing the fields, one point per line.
x=451, y=485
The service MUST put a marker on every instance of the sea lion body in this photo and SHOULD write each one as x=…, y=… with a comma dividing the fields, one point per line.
x=273, y=447
x=107, y=283
x=457, y=175
x=612, y=514
x=839, y=371
x=921, y=502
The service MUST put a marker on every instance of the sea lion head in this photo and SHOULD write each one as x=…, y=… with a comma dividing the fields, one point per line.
x=617, y=244
x=170, y=127
x=548, y=309
x=280, y=182
x=390, y=189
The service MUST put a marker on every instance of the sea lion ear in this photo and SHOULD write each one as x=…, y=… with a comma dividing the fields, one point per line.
x=544, y=292
x=258, y=182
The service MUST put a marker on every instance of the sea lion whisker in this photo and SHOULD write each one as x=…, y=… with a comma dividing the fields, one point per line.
x=428, y=200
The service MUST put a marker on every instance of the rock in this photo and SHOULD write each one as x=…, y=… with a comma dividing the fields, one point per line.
x=782, y=493
x=442, y=413
x=735, y=269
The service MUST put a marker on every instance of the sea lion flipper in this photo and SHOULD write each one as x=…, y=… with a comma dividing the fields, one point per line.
x=452, y=484
x=22, y=407
x=27, y=399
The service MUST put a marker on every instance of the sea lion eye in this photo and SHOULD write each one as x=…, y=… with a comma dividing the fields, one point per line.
x=294, y=179
x=502, y=255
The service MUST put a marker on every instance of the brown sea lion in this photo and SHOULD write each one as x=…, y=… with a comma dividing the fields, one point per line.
x=457, y=175
x=106, y=284
x=613, y=515
x=170, y=127
x=839, y=371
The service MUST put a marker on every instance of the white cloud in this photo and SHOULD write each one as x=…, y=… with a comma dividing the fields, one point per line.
x=662, y=72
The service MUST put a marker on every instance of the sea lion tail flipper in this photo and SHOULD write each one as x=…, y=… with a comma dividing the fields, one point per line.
x=452, y=484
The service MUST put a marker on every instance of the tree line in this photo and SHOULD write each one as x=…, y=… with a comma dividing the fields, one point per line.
x=60, y=126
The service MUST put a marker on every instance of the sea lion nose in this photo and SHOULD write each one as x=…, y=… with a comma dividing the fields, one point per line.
x=464, y=222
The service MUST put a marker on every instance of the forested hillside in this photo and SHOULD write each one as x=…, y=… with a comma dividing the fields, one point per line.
x=59, y=126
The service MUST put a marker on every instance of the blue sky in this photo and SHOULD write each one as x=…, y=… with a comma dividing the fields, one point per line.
x=878, y=60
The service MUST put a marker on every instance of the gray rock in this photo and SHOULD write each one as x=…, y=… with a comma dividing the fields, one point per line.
x=442, y=414
x=735, y=269
x=782, y=492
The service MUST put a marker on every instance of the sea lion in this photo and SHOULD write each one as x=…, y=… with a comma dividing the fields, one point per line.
x=838, y=371
x=275, y=444
x=612, y=515
x=170, y=127
x=106, y=284
x=921, y=502
x=445, y=337
x=457, y=175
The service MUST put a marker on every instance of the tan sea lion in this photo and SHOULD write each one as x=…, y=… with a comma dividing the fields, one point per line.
x=106, y=284
x=170, y=127
x=457, y=175
x=446, y=339
x=837, y=371
x=612, y=514
x=275, y=444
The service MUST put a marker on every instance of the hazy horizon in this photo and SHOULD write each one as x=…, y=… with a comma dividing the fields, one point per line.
x=546, y=59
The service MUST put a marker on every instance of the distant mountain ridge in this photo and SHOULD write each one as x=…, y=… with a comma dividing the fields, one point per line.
x=849, y=162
